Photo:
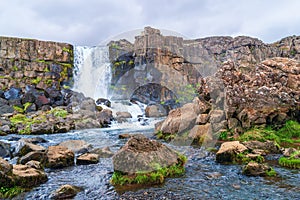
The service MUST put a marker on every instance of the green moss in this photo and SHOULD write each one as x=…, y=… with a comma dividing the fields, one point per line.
x=27, y=105
x=149, y=178
x=10, y=192
x=115, y=46
x=15, y=68
x=26, y=122
x=131, y=62
x=58, y=112
x=290, y=162
x=49, y=82
x=271, y=172
x=65, y=49
x=242, y=158
x=18, y=109
x=289, y=133
x=36, y=81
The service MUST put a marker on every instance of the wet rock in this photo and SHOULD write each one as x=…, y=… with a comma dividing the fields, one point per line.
x=125, y=136
x=35, y=164
x=77, y=146
x=27, y=176
x=140, y=154
x=123, y=115
x=103, y=152
x=87, y=159
x=201, y=133
x=24, y=147
x=33, y=155
x=103, y=101
x=155, y=111
x=5, y=173
x=228, y=151
x=35, y=140
x=268, y=147
x=5, y=149
x=59, y=157
x=12, y=93
x=65, y=192
x=256, y=169
x=105, y=117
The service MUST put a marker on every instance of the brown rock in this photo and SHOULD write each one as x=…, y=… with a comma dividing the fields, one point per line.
x=26, y=147
x=268, y=147
x=33, y=155
x=59, y=157
x=143, y=154
x=256, y=169
x=26, y=176
x=155, y=111
x=66, y=192
x=88, y=158
x=103, y=152
x=229, y=150
x=77, y=146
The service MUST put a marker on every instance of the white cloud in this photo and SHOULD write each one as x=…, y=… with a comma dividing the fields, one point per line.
x=88, y=22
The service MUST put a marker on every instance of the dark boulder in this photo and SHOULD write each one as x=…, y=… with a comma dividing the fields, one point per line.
x=12, y=93
x=103, y=101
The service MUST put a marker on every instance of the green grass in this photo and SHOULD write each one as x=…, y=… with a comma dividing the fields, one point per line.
x=9, y=193
x=149, y=178
x=290, y=162
x=26, y=122
x=36, y=80
x=271, y=172
x=289, y=133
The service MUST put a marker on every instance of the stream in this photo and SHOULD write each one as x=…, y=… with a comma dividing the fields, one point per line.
x=204, y=178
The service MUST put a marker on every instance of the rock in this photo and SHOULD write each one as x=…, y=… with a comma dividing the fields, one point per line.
x=268, y=147
x=143, y=154
x=5, y=173
x=24, y=147
x=87, y=159
x=289, y=151
x=228, y=151
x=202, y=119
x=65, y=192
x=77, y=146
x=105, y=117
x=103, y=101
x=59, y=157
x=123, y=115
x=33, y=155
x=28, y=177
x=6, y=109
x=12, y=93
x=201, y=133
x=35, y=140
x=45, y=127
x=103, y=152
x=5, y=150
x=125, y=136
x=35, y=164
x=41, y=101
x=256, y=169
x=155, y=111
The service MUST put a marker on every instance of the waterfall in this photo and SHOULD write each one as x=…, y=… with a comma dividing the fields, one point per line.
x=92, y=71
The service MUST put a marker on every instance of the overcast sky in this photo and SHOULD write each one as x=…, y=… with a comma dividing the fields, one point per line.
x=90, y=22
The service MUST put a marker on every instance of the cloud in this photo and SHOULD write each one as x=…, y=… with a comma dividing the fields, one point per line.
x=89, y=22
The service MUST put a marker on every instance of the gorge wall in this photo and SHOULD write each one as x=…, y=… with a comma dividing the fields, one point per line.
x=41, y=64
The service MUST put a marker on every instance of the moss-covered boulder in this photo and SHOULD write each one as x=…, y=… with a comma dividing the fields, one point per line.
x=145, y=161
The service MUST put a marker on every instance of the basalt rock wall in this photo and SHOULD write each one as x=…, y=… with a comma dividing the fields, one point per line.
x=29, y=62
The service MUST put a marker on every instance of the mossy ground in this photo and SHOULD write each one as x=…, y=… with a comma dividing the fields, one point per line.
x=150, y=178
x=292, y=162
x=10, y=192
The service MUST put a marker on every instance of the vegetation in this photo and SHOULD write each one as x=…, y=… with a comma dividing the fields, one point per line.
x=115, y=46
x=59, y=112
x=291, y=162
x=8, y=193
x=243, y=158
x=150, y=178
x=25, y=122
x=36, y=81
x=288, y=134
x=271, y=172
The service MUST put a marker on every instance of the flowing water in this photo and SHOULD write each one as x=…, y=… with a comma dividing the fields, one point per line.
x=204, y=178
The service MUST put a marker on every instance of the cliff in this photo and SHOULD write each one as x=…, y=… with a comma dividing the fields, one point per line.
x=31, y=62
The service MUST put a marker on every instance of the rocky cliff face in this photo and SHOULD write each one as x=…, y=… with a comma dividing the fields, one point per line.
x=241, y=82
x=40, y=64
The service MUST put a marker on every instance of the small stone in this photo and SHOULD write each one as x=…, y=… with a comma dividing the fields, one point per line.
x=88, y=158
x=65, y=192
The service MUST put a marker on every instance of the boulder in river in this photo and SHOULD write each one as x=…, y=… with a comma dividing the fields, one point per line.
x=65, y=192
x=228, y=151
x=87, y=159
x=145, y=161
x=59, y=157
x=258, y=169
x=26, y=176
x=77, y=146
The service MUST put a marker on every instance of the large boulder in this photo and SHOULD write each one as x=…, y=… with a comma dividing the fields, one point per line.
x=33, y=155
x=59, y=157
x=267, y=147
x=228, y=151
x=143, y=154
x=77, y=146
x=26, y=176
x=24, y=147
x=257, y=169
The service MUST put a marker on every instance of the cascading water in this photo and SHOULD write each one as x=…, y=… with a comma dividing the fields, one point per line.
x=92, y=72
